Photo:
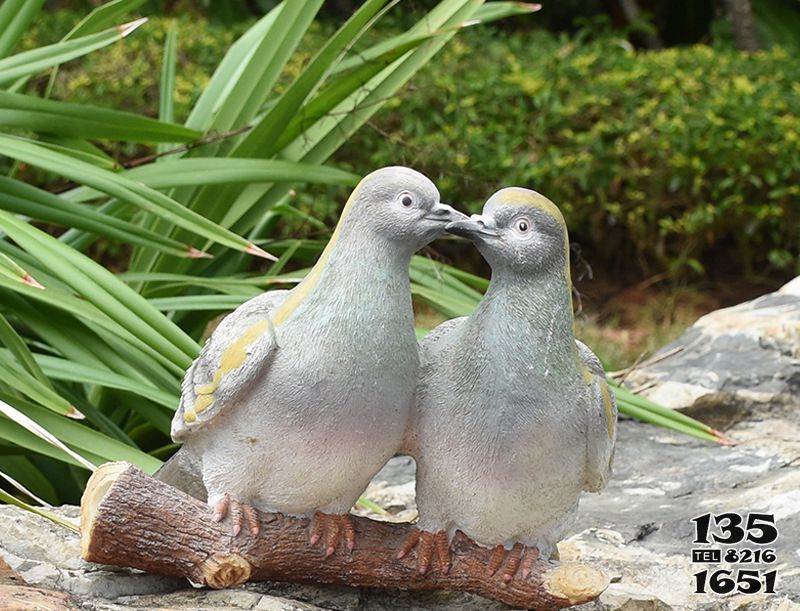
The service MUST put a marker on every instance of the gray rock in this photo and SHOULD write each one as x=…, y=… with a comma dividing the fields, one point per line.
x=638, y=530
x=740, y=365
x=731, y=362
x=628, y=596
x=270, y=603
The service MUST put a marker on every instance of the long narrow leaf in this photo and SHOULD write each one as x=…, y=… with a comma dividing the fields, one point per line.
x=317, y=144
x=198, y=302
x=85, y=121
x=36, y=60
x=22, y=420
x=12, y=500
x=15, y=18
x=103, y=16
x=70, y=371
x=653, y=418
x=271, y=54
x=102, y=288
x=229, y=71
x=63, y=300
x=319, y=141
x=261, y=139
x=23, y=489
x=79, y=149
x=179, y=172
x=650, y=407
x=343, y=86
x=20, y=198
x=11, y=339
x=42, y=393
x=25, y=471
x=92, y=445
x=166, y=101
x=270, y=135
x=11, y=270
x=492, y=11
x=488, y=12
x=125, y=189
x=71, y=338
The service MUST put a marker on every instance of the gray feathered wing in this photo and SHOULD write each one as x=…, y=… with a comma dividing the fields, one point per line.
x=601, y=423
x=238, y=352
x=430, y=345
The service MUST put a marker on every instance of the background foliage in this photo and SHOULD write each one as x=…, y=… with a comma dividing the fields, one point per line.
x=676, y=160
x=92, y=360
x=683, y=162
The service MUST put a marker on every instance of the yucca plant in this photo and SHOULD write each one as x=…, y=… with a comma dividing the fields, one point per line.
x=92, y=360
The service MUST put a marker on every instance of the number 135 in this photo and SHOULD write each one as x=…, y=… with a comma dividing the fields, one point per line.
x=759, y=528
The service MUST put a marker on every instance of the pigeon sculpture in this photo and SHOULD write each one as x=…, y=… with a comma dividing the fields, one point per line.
x=514, y=418
x=299, y=397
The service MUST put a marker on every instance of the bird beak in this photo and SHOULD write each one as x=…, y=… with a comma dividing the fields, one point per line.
x=444, y=213
x=475, y=226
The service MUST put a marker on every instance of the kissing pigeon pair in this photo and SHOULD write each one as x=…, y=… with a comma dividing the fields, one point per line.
x=299, y=397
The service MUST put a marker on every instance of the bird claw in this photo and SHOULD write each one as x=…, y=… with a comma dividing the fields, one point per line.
x=496, y=560
x=240, y=514
x=331, y=529
x=530, y=556
x=519, y=557
x=430, y=545
x=512, y=562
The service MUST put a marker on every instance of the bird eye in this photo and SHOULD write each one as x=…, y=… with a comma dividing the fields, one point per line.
x=523, y=226
x=406, y=199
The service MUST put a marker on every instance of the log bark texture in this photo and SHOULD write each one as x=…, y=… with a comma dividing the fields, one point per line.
x=130, y=519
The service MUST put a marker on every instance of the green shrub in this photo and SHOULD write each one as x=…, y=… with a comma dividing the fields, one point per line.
x=680, y=161
x=676, y=160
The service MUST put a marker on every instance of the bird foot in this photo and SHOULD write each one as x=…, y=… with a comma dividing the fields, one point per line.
x=519, y=557
x=330, y=529
x=240, y=514
x=430, y=545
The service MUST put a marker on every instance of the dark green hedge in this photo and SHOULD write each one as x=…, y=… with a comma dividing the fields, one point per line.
x=676, y=161
x=673, y=161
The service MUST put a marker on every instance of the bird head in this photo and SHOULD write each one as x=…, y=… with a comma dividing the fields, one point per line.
x=402, y=205
x=519, y=230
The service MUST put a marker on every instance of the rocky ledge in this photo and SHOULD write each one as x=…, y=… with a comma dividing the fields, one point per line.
x=730, y=363
x=737, y=367
x=638, y=530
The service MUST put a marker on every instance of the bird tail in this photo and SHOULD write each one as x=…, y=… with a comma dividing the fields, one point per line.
x=183, y=472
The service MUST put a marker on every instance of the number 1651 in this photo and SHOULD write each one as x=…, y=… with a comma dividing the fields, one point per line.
x=725, y=581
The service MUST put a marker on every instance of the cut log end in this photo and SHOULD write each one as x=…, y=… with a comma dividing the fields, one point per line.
x=131, y=519
x=98, y=486
x=577, y=583
x=223, y=570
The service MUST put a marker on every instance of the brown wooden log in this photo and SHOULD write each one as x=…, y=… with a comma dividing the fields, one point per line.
x=130, y=519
